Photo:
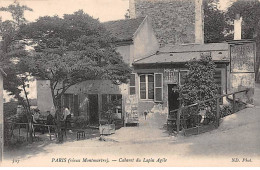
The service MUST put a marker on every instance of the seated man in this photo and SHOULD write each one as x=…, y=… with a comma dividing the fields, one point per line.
x=50, y=119
x=35, y=120
x=36, y=115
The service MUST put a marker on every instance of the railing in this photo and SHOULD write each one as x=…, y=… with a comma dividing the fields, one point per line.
x=33, y=127
x=179, y=112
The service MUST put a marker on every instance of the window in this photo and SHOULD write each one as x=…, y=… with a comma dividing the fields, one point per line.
x=147, y=86
x=151, y=87
x=132, y=84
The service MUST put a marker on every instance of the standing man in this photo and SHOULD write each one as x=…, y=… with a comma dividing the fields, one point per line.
x=66, y=118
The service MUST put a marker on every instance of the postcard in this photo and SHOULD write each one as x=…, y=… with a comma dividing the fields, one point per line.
x=129, y=83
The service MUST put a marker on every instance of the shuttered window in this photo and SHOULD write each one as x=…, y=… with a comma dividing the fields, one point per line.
x=132, y=84
x=158, y=87
x=151, y=86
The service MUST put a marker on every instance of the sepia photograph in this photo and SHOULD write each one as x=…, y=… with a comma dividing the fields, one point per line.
x=130, y=83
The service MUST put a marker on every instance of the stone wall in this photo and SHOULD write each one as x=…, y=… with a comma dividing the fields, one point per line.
x=173, y=20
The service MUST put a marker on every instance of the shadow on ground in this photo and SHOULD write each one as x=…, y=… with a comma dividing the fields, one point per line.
x=41, y=141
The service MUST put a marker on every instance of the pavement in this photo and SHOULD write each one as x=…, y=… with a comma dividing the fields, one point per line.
x=234, y=143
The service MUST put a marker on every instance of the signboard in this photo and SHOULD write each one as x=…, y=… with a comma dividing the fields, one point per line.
x=242, y=58
x=171, y=76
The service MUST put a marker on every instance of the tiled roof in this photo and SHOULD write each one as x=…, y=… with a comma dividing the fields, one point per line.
x=184, y=53
x=123, y=30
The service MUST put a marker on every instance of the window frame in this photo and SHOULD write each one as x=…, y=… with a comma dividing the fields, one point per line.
x=146, y=86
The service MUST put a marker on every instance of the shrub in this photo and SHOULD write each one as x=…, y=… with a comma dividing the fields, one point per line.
x=80, y=122
x=199, y=83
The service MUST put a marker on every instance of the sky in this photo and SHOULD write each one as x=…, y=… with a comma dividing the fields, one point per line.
x=105, y=10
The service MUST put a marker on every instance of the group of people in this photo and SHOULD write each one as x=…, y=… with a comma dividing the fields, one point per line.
x=66, y=116
x=51, y=119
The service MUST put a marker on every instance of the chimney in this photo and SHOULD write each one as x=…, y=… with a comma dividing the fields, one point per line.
x=132, y=8
x=237, y=27
x=199, y=22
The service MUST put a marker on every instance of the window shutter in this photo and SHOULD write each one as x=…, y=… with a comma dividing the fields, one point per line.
x=132, y=84
x=158, y=86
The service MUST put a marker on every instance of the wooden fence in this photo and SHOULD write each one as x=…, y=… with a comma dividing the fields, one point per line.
x=179, y=122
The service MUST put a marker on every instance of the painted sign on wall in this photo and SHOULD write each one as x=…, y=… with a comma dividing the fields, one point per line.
x=242, y=58
x=171, y=76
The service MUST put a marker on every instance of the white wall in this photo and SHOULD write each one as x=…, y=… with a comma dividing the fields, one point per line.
x=44, y=98
x=145, y=41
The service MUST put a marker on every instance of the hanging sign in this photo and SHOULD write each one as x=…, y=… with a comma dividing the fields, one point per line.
x=171, y=76
x=242, y=58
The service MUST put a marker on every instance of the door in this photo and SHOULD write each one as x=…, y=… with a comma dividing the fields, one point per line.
x=173, y=96
x=93, y=109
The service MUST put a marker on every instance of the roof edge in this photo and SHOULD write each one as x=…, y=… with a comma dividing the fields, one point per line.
x=216, y=61
x=139, y=27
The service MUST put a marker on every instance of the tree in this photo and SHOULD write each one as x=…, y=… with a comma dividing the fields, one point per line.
x=17, y=12
x=199, y=82
x=214, y=22
x=12, y=50
x=71, y=50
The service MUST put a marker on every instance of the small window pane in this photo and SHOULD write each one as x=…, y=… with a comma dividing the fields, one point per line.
x=132, y=80
x=143, y=86
x=158, y=94
x=158, y=80
x=151, y=90
x=142, y=78
x=150, y=78
x=143, y=94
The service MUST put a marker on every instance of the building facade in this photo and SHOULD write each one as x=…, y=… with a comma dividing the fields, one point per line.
x=156, y=78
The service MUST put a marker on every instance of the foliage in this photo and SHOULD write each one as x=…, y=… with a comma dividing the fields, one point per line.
x=199, y=82
x=109, y=114
x=249, y=10
x=214, y=22
x=71, y=50
x=80, y=122
x=12, y=50
x=17, y=12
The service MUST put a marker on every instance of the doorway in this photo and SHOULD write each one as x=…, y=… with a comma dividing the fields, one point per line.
x=93, y=109
x=173, y=96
